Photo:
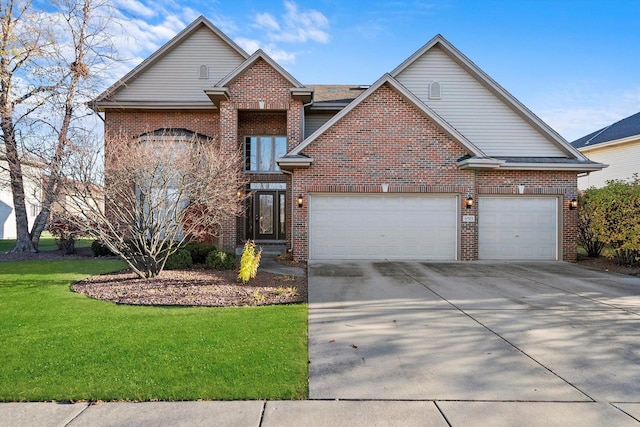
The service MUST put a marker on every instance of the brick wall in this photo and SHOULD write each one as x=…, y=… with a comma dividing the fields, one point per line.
x=387, y=140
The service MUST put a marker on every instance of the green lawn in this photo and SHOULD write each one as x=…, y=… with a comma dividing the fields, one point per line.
x=58, y=345
x=47, y=243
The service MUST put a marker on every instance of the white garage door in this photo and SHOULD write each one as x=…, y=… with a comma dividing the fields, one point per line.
x=385, y=226
x=518, y=228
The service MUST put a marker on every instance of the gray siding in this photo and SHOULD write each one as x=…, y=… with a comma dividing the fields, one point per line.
x=622, y=160
x=314, y=121
x=175, y=77
x=474, y=110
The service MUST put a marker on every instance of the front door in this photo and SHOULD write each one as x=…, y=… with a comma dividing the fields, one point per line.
x=268, y=215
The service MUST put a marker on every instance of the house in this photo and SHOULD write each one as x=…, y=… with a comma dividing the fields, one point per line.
x=617, y=145
x=32, y=179
x=433, y=161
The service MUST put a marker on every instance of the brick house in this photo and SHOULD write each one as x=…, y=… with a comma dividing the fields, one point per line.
x=433, y=161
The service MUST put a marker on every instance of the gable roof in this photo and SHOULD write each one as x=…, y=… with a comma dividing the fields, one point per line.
x=167, y=47
x=502, y=94
x=409, y=97
x=259, y=54
x=627, y=128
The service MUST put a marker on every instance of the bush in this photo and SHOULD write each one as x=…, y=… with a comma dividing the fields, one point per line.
x=221, y=260
x=249, y=262
x=99, y=249
x=179, y=260
x=586, y=236
x=199, y=251
x=66, y=230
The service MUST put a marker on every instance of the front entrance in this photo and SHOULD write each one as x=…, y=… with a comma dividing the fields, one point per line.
x=266, y=219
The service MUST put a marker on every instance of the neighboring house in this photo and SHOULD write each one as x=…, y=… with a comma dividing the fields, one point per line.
x=32, y=178
x=617, y=145
x=433, y=161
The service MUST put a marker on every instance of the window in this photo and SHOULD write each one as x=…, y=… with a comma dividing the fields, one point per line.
x=435, y=90
x=204, y=72
x=261, y=152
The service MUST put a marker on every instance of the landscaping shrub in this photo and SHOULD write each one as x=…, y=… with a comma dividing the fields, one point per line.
x=66, y=231
x=99, y=249
x=221, y=260
x=199, y=251
x=179, y=260
x=586, y=236
x=249, y=262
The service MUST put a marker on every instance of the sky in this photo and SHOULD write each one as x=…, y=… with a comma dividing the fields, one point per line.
x=574, y=63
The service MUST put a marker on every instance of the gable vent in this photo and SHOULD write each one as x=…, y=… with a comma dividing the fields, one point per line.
x=204, y=72
x=435, y=90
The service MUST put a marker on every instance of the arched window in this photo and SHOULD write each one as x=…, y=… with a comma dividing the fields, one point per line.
x=204, y=72
x=435, y=90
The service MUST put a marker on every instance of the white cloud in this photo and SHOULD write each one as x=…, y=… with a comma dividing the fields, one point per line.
x=579, y=112
x=278, y=55
x=136, y=8
x=266, y=20
x=298, y=26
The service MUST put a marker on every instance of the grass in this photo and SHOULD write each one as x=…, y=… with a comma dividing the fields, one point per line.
x=47, y=243
x=58, y=345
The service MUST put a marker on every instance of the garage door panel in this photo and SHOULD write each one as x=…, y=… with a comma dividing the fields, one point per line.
x=518, y=228
x=382, y=227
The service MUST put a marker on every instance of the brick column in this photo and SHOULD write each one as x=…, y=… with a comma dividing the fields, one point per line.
x=228, y=138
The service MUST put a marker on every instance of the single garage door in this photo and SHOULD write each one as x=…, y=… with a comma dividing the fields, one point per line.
x=382, y=226
x=518, y=228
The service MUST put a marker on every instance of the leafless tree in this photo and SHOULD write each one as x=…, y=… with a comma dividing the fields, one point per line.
x=157, y=192
x=45, y=59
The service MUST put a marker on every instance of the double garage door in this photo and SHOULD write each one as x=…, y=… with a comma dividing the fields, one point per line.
x=394, y=226
x=384, y=226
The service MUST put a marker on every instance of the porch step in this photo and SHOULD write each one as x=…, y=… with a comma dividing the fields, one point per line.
x=266, y=249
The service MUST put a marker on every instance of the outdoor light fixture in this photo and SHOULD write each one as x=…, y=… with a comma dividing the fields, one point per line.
x=300, y=201
x=573, y=204
x=469, y=202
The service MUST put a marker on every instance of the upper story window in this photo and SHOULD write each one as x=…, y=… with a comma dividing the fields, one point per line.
x=435, y=90
x=204, y=72
x=261, y=152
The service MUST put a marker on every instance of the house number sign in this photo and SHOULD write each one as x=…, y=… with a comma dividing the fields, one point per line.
x=468, y=218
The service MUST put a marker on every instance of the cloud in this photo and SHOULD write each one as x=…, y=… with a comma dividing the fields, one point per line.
x=136, y=8
x=297, y=26
x=278, y=55
x=580, y=112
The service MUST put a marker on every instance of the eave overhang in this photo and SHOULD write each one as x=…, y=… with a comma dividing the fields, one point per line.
x=490, y=163
x=291, y=162
x=629, y=139
x=101, y=106
x=218, y=94
x=302, y=94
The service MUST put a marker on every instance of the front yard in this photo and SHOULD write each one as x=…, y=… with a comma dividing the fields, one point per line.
x=59, y=345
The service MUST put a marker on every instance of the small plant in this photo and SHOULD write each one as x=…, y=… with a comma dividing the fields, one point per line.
x=66, y=230
x=179, y=260
x=99, y=249
x=257, y=295
x=249, y=262
x=289, y=290
x=199, y=251
x=221, y=260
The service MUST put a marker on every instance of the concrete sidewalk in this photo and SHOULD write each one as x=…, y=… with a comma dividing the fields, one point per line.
x=321, y=413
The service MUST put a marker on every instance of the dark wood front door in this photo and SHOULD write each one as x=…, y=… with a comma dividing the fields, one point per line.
x=269, y=212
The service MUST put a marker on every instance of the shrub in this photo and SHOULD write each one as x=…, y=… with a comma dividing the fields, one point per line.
x=179, y=260
x=100, y=249
x=66, y=231
x=586, y=236
x=249, y=262
x=199, y=251
x=221, y=260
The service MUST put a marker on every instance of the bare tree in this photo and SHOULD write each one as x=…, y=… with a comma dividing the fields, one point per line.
x=44, y=60
x=157, y=192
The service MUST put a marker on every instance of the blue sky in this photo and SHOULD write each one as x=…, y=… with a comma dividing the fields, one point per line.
x=576, y=64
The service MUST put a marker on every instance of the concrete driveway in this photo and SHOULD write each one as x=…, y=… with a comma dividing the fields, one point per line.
x=479, y=332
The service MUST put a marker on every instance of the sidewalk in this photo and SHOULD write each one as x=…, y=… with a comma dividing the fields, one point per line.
x=320, y=413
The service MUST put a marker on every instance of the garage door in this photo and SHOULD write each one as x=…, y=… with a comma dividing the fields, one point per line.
x=518, y=228
x=385, y=226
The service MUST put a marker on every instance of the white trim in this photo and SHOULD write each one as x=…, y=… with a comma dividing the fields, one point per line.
x=628, y=139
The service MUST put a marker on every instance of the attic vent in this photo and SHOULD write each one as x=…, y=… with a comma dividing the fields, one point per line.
x=204, y=72
x=435, y=90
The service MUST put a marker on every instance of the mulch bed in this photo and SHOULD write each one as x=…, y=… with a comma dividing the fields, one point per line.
x=196, y=287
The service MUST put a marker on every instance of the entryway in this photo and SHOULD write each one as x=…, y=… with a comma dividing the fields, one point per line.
x=267, y=214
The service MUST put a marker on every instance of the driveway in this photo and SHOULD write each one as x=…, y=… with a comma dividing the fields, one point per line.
x=473, y=331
